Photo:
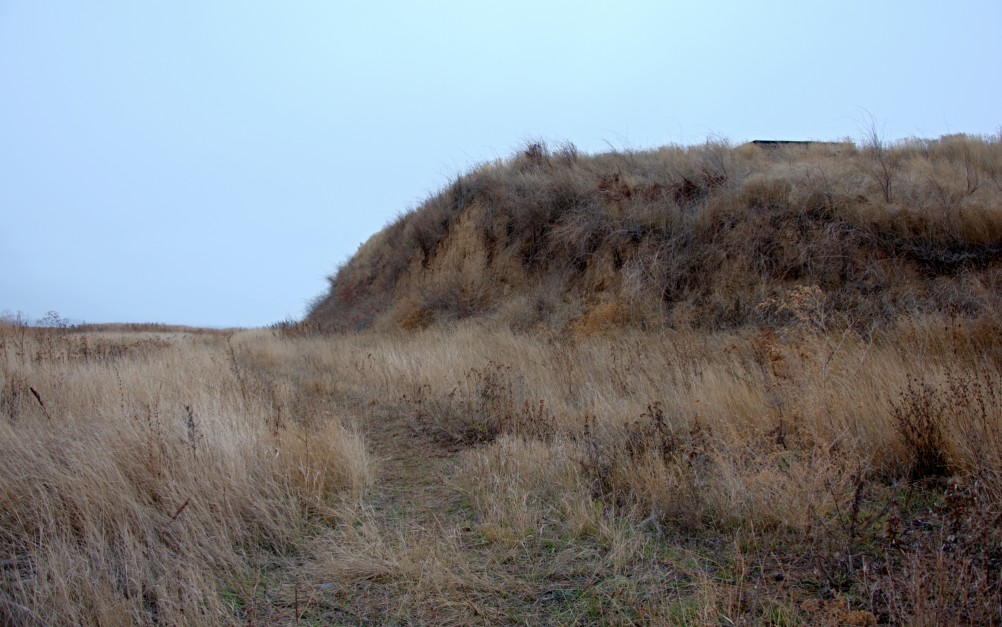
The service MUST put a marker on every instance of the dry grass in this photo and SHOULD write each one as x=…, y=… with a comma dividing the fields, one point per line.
x=794, y=455
x=689, y=237
x=758, y=476
x=793, y=351
x=146, y=478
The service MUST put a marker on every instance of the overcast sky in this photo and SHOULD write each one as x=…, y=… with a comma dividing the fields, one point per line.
x=210, y=163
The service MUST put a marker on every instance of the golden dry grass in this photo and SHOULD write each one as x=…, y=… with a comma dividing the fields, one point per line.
x=790, y=448
x=144, y=478
x=469, y=474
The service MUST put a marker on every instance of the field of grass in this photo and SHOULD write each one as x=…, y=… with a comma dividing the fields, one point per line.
x=693, y=386
x=472, y=474
x=152, y=478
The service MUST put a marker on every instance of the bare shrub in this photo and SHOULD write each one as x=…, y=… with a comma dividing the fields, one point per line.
x=882, y=163
x=918, y=420
x=482, y=407
x=952, y=427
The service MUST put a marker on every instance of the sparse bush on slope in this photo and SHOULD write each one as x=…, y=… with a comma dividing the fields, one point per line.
x=698, y=236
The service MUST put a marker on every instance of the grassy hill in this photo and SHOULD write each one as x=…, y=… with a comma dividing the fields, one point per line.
x=710, y=236
x=778, y=363
x=758, y=385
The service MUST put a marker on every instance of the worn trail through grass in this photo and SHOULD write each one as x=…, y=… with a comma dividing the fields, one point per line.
x=420, y=553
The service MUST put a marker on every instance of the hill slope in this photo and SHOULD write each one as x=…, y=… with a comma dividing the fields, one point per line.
x=710, y=236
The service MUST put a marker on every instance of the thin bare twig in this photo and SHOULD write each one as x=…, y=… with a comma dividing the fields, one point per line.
x=38, y=397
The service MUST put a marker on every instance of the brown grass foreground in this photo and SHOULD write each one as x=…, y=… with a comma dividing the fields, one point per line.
x=762, y=476
x=757, y=476
x=149, y=478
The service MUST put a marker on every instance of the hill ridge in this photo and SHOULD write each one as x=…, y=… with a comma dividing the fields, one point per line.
x=701, y=236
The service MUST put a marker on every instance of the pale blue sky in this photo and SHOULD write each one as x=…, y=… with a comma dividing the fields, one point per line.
x=209, y=163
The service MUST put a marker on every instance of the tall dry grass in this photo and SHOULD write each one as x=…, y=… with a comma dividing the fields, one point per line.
x=827, y=389
x=771, y=474
x=151, y=477
x=848, y=458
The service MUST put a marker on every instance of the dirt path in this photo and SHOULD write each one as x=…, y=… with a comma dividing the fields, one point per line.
x=416, y=558
x=421, y=556
x=413, y=471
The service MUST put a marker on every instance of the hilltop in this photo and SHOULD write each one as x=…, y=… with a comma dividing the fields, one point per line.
x=711, y=236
